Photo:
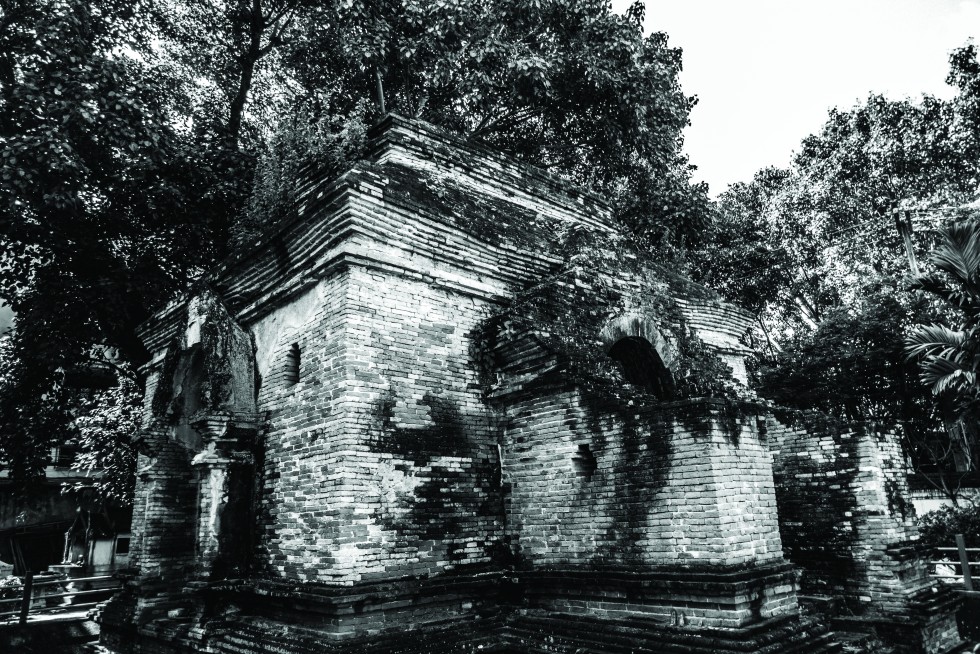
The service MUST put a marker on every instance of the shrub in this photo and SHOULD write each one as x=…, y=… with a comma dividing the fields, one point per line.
x=939, y=528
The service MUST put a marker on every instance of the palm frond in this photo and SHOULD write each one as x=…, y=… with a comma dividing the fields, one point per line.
x=959, y=253
x=935, y=284
x=942, y=376
x=935, y=341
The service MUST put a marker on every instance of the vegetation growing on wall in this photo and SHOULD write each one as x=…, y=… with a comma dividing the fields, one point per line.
x=604, y=276
x=140, y=139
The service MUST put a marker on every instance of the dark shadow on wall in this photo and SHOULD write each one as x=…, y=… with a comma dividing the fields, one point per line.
x=466, y=489
x=642, y=366
x=640, y=472
x=813, y=532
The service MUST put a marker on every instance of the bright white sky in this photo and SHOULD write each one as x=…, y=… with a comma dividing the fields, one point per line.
x=766, y=71
x=6, y=316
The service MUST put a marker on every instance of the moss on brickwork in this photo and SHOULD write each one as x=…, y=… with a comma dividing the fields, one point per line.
x=845, y=520
x=228, y=358
x=640, y=472
x=818, y=528
x=163, y=392
x=600, y=280
x=728, y=415
x=214, y=373
x=898, y=502
x=491, y=219
x=448, y=476
x=639, y=444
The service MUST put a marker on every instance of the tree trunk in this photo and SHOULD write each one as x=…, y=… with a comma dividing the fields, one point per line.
x=248, y=60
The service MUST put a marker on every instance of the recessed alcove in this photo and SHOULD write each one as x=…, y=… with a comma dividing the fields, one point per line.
x=642, y=366
x=291, y=370
x=584, y=461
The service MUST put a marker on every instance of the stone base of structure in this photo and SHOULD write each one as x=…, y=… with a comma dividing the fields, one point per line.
x=515, y=612
x=710, y=597
x=544, y=632
x=927, y=625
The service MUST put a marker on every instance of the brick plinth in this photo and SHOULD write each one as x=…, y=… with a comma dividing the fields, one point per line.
x=454, y=612
x=693, y=596
x=682, y=492
x=539, y=632
x=163, y=539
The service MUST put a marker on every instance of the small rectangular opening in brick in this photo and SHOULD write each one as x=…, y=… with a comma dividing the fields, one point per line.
x=584, y=461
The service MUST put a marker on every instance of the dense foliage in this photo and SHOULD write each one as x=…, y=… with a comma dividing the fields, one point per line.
x=796, y=243
x=815, y=251
x=563, y=84
x=606, y=276
x=948, y=352
x=852, y=365
x=106, y=431
x=108, y=202
x=939, y=528
x=139, y=140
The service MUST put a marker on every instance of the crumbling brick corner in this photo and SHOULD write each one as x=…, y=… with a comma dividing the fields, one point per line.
x=845, y=520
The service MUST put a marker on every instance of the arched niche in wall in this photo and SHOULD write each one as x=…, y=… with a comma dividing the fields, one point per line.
x=646, y=358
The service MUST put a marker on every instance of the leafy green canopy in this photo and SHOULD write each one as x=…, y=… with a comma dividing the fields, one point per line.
x=815, y=251
x=130, y=133
x=816, y=242
x=563, y=84
x=948, y=352
x=108, y=203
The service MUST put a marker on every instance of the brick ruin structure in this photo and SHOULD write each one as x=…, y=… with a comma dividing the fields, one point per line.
x=847, y=522
x=324, y=469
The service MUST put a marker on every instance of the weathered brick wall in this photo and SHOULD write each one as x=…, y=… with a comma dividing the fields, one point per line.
x=846, y=520
x=433, y=481
x=721, y=326
x=205, y=372
x=164, y=509
x=674, y=485
x=381, y=461
x=842, y=496
x=685, y=487
x=301, y=476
